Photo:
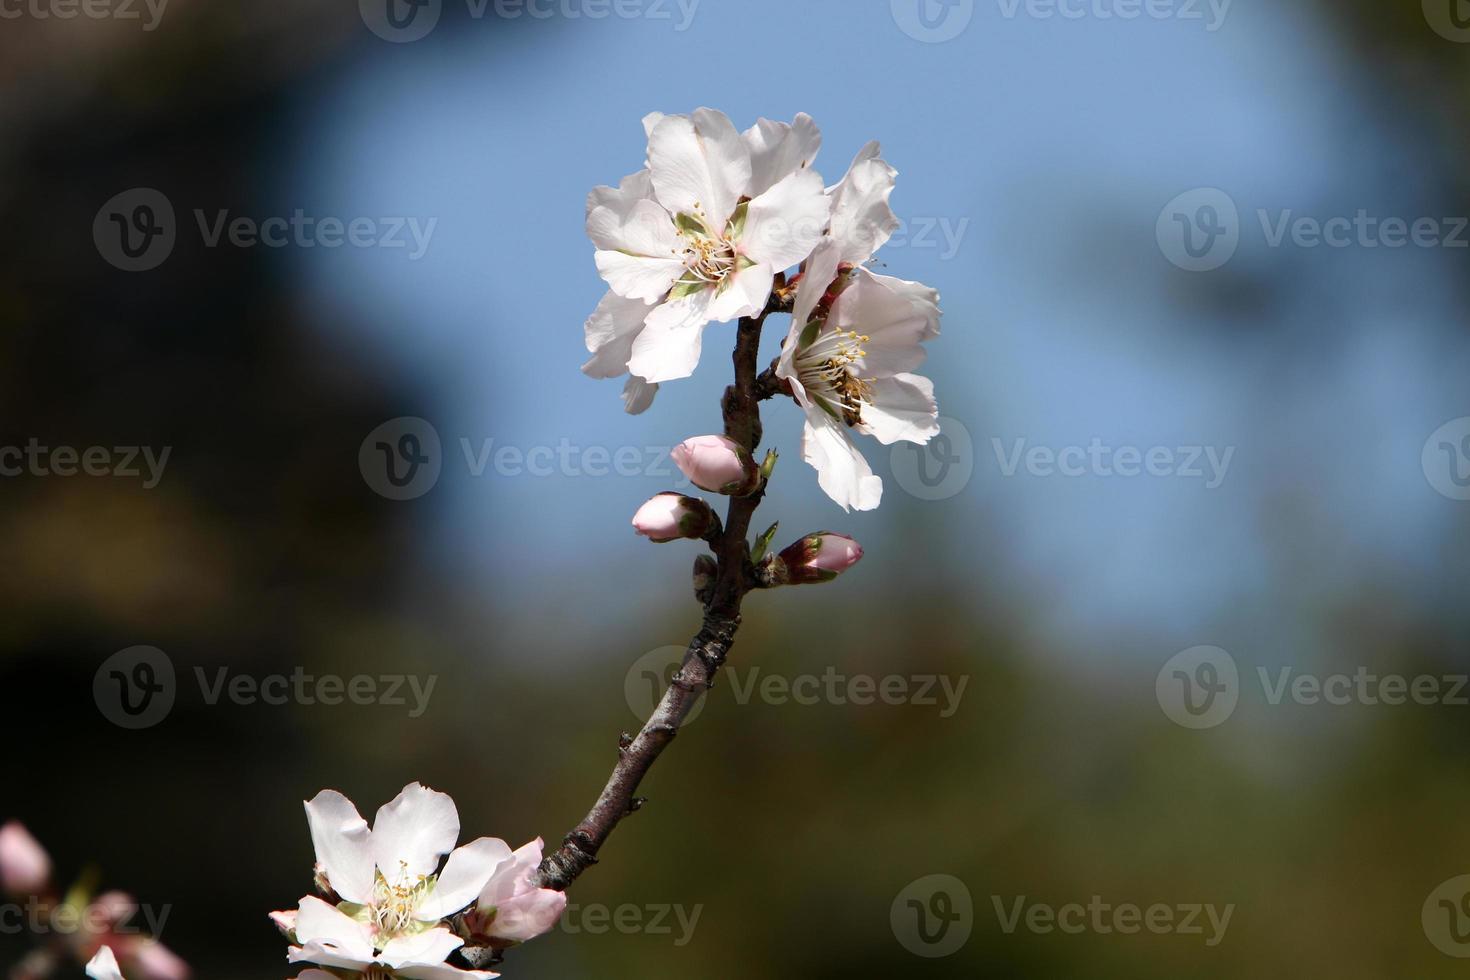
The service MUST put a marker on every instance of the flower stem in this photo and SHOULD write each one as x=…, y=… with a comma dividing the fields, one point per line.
x=708, y=649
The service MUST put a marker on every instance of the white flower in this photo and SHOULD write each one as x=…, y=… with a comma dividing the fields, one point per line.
x=848, y=360
x=388, y=923
x=698, y=236
x=104, y=966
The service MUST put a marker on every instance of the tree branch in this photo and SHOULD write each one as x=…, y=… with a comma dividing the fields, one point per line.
x=734, y=577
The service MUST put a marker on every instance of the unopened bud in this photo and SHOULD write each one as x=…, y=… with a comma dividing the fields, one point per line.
x=670, y=516
x=25, y=867
x=718, y=464
x=819, y=557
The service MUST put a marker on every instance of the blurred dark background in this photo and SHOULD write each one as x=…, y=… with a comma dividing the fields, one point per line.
x=1048, y=147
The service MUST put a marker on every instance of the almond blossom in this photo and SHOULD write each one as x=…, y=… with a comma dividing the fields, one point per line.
x=855, y=338
x=698, y=236
x=394, y=896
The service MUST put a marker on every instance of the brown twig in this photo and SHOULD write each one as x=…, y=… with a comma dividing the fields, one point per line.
x=734, y=577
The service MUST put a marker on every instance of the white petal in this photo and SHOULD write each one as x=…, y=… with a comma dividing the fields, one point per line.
x=816, y=279
x=925, y=300
x=322, y=926
x=651, y=121
x=778, y=149
x=104, y=966
x=637, y=277
x=901, y=408
x=343, y=845
x=638, y=395
x=443, y=971
x=699, y=161
x=324, y=956
x=895, y=324
x=743, y=293
x=668, y=347
x=425, y=949
x=413, y=832
x=463, y=877
x=842, y=472
x=643, y=228
x=861, y=218
x=620, y=199
x=610, y=333
x=786, y=222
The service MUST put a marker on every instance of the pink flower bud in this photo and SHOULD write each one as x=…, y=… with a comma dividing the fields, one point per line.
x=25, y=867
x=820, y=557
x=718, y=464
x=670, y=516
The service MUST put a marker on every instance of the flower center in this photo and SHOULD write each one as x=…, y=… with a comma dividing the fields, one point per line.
x=709, y=257
x=394, y=904
x=827, y=368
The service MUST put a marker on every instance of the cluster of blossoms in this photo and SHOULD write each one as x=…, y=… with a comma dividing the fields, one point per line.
x=708, y=231
x=79, y=925
x=387, y=908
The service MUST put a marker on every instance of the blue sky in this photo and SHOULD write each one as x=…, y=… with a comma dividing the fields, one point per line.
x=1036, y=154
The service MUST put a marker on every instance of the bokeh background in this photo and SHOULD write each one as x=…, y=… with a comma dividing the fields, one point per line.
x=1043, y=153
